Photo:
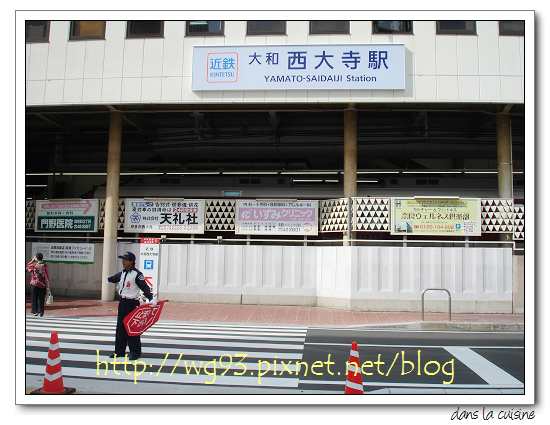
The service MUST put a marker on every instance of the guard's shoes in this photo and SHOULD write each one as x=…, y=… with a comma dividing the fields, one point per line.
x=132, y=356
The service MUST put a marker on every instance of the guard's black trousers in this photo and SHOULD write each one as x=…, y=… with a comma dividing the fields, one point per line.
x=125, y=307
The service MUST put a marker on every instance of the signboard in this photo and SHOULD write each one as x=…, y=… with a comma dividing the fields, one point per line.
x=64, y=252
x=67, y=216
x=436, y=216
x=149, y=262
x=142, y=318
x=306, y=67
x=276, y=217
x=164, y=216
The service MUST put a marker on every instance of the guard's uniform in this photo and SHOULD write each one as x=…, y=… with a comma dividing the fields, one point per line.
x=132, y=282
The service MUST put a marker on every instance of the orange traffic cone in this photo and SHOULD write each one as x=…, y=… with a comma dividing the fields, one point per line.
x=53, y=380
x=354, y=382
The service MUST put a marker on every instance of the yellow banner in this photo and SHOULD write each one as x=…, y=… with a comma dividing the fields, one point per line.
x=436, y=216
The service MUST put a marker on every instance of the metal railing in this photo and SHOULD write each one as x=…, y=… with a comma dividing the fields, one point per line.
x=436, y=289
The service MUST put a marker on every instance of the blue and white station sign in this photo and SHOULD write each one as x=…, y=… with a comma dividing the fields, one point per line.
x=308, y=67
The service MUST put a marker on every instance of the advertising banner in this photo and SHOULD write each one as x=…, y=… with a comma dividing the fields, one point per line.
x=67, y=216
x=64, y=252
x=273, y=217
x=164, y=216
x=436, y=216
x=306, y=67
x=149, y=262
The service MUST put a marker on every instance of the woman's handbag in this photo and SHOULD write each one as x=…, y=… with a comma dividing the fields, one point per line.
x=49, y=297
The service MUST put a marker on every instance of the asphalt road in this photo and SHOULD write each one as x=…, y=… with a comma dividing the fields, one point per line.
x=416, y=360
x=203, y=358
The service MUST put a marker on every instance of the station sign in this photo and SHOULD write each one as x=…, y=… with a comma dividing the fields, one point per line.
x=71, y=215
x=299, y=67
x=276, y=217
x=436, y=216
x=164, y=216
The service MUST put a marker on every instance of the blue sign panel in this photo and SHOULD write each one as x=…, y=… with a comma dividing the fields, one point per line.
x=309, y=67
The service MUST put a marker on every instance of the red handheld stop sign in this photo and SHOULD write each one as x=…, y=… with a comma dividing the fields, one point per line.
x=142, y=318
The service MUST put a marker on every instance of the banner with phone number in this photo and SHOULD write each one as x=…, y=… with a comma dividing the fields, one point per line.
x=277, y=217
x=436, y=216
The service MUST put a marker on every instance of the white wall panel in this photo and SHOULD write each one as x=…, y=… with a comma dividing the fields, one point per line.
x=467, y=56
x=171, y=89
x=452, y=269
x=115, y=33
x=151, y=89
x=153, y=57
x=291, y=273
x=370, y=278
x=368, y=270
x=94, y=58
x=297, y=32
x=57, y=49
x=410, y=272
x=196, y=266
x=172, y=61
x=447, y=87
x=358, y=33
x=489, y=277
x=470, y=271
x=488, y=48
x=511, y=88
x=272, y=260
x=38, y=62
x=343, y=263
x=74, y=65
x=424, y=51
x=425, y=87
x=133, y=58
x=252, y=265
x=173, y=267
x=510, y=56
x=52, y=91
x=131, y=89
x=430, y=266
x=307, y=268
x=446, y=61
x=431, y=61
x=91, y=90
x=468, y=88
x=72, y=91
x=111, y=90
x=489, y=88
x=235, y=33
x=388, y=268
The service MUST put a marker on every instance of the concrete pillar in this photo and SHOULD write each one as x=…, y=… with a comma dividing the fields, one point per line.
x=350, y=162
x=111, y=206
x=504, y=156
x=504, y=162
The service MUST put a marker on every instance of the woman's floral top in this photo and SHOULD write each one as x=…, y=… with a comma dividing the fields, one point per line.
x=39, y=274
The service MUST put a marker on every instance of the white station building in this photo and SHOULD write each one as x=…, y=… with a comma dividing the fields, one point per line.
x=357, y=165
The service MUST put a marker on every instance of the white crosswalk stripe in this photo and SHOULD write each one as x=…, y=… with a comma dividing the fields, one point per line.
x=175, y=353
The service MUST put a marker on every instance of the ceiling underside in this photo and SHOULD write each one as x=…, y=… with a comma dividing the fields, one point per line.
x=173, y=138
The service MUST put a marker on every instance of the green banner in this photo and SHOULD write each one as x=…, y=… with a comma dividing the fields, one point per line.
x=68, y=215
x=70, y=223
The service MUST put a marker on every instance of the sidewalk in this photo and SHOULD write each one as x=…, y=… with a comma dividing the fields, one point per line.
x=295, y=315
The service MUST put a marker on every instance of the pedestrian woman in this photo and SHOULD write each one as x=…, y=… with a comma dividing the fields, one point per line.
x=40, y=281
x=132, y=282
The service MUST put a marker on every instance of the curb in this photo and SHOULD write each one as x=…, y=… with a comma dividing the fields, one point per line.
x=440, y=326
